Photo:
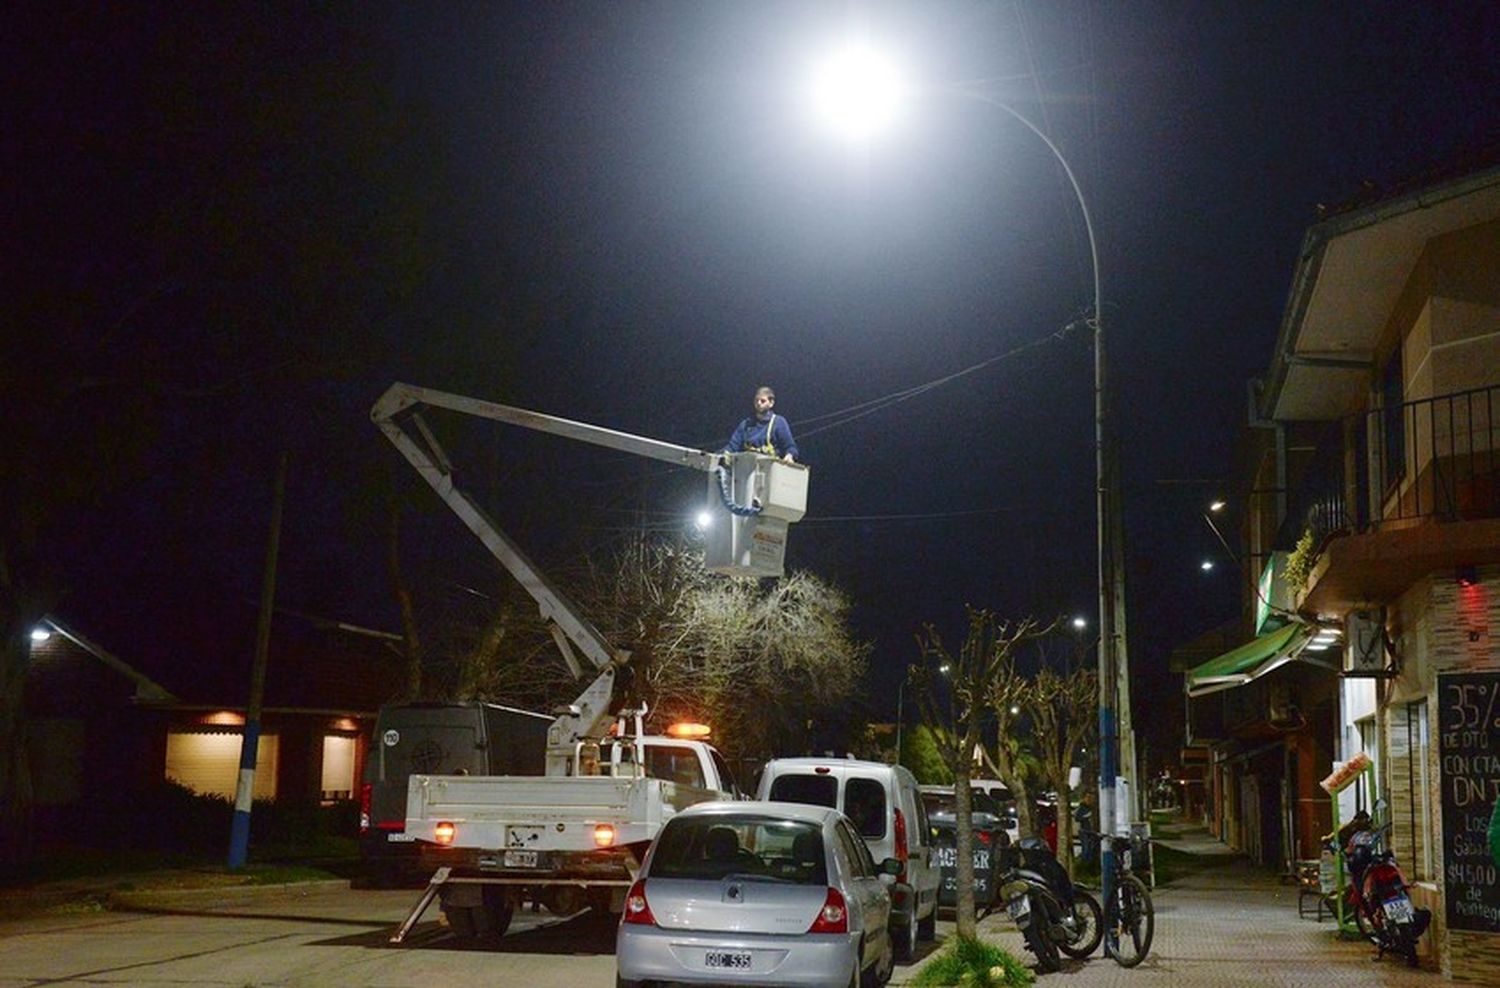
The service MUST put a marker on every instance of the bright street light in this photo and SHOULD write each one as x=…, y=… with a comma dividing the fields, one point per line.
x=704, y=520
x=40, y=634
x=1216, y=507
x=849, y=89
x=859, y=92
x=1079, y=623
x=1206, y=565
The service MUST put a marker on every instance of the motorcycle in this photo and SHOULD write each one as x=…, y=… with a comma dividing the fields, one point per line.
x=1053, y=914
x=1377, y=890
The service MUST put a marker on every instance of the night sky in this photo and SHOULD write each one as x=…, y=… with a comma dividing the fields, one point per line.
x=239, y=224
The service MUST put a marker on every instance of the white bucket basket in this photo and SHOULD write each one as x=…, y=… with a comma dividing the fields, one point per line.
x=754, y=544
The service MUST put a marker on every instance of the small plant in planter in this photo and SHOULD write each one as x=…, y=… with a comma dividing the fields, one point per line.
x=973, y=964
x=1299, y=562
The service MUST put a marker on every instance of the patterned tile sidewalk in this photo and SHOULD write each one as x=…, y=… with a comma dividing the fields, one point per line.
x=1225, y=927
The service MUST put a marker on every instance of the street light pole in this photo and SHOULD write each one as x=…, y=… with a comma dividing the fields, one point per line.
x=1111, y=632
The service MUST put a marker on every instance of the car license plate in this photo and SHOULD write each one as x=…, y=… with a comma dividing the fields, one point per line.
x=520, y=859
x=400, y=838
x=1019, y=907
x=731, y=960
x=1398, y=910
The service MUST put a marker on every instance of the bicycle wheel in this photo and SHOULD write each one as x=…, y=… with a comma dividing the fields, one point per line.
x=1088, y=926
x=1135, y=922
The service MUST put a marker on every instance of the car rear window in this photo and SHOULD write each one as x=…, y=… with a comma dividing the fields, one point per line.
x=864, y=804
x=753, y=848
x=814, y=790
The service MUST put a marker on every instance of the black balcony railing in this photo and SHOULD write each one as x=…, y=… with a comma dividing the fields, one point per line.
x=1435, y=459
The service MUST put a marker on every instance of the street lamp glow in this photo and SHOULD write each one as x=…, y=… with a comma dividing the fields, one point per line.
x=1206, y=565
x=704, y=520
x=858, y=91
x=40, y=634
x=1216, y=507
x=1079, y=623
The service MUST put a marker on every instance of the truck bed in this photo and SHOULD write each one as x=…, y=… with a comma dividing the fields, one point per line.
x=543, y=813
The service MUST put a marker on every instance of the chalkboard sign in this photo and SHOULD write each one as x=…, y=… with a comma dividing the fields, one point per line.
x=1469, y=772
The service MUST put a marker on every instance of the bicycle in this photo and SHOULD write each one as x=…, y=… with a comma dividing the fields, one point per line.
x=1129, y=916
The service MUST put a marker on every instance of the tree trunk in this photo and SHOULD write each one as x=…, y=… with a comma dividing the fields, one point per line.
x=963, y=823
x=1064, y=823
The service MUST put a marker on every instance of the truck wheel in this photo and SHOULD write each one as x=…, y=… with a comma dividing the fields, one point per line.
x=499, y=909
x=461, y=921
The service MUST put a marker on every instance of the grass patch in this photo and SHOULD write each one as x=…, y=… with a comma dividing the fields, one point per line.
x=973, y=963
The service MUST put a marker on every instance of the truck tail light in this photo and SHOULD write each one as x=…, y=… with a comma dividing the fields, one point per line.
x=604, y=835
x=903, y=852
x=444, y=832
x=984, y=837
x=637, y=909
x=834, y=916
x=365, y=801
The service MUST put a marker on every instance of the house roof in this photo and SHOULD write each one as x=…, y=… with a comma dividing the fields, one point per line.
x=1350, y=272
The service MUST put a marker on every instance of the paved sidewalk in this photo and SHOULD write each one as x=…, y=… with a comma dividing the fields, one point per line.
x=1227, y=926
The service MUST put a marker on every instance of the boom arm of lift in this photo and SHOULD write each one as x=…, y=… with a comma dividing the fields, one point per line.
x=398, y=414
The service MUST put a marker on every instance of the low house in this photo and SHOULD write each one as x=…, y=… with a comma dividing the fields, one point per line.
x=177, y=713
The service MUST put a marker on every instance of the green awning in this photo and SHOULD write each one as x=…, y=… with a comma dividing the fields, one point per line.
x=1251, y=660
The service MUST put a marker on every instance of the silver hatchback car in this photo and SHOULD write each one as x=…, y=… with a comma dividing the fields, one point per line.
x=758, y=893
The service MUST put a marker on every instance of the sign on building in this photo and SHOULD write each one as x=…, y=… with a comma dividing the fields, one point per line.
x=1469, y=774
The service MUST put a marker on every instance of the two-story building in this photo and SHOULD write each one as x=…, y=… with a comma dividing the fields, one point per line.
x=1371, y=523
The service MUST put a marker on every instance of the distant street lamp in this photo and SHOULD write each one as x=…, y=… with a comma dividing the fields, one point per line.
x=900, y=709
x=856, y=81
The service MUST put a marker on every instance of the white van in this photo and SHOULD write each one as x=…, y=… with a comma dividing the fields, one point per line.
x=884, y=805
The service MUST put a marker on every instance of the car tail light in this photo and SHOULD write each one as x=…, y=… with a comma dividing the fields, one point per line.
x=604, y=835
x=444, y=832
x=984, y=837
x=637, y=909
x=903, y=853
x=365, y=802
x=833, y=917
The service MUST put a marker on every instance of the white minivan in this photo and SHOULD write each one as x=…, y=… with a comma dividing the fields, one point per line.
x=884, y=805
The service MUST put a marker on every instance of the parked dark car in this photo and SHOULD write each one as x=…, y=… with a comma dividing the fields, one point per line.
x=470, y=738
x=990, y=840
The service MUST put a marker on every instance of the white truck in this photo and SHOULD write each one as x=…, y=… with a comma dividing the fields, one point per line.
x=575, y=836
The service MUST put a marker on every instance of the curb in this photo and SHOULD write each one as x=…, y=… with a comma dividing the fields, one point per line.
x=158, y=898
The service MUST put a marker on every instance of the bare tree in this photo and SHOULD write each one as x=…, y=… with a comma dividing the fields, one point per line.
x=1010, y=691
x=764, y=662
x=953, y=694
x=1063, y=705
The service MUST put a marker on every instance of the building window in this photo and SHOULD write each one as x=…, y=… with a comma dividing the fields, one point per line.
x=209, y=764
x=338, y=768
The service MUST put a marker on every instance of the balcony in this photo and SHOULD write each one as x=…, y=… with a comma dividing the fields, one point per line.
x=1397, y=492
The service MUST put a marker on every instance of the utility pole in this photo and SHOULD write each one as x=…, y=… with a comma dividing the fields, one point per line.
x=244, y=798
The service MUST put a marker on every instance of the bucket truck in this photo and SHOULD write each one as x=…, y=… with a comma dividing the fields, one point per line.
x=576, y=835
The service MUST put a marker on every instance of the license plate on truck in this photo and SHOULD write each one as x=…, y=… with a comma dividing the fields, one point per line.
x=732, y=960
x=519, y=859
